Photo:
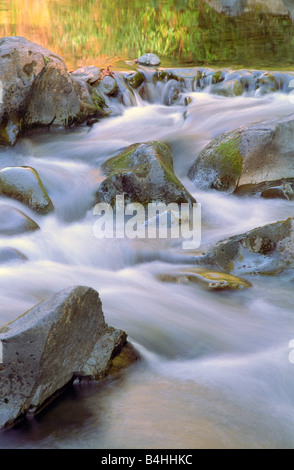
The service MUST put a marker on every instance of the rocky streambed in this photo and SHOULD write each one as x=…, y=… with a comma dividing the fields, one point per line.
x=212, y=324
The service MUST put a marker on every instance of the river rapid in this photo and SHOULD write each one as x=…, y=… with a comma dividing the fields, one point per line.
x=215, y=369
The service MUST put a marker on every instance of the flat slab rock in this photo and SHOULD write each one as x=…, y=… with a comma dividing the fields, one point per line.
x=62, y=338
x=268, y=249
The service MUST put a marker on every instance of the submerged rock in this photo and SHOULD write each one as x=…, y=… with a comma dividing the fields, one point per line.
x=143, y=173
x=248, y=157
x=11, y=255
x=212, y=280
x=149, y=59
x=14, y=221
x=267, y=249
x=134, y=79
x=172, y=92
x=24, y=185
x=60, y=339
x=228, y=88
x=280, y=189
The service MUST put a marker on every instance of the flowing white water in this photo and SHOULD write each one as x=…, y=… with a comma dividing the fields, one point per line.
x=215, y=369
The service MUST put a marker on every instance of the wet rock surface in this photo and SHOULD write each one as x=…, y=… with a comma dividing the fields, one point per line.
x=24, y=185
x=62, y=338
x=143, y=173
x=209, y=279
x=267, y=250
x=250, y=159
x=14, y=222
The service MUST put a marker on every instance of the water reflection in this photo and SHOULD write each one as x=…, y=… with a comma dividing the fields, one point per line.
x=245, y=33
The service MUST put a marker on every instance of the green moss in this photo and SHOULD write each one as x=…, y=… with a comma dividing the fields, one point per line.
x=135, y=79
x=124, y=162
x=120, y=162
x=4, y=329
x=228, y=162
x=98, y=101
x=47, y=60
x=217, y=77
x=231, y=160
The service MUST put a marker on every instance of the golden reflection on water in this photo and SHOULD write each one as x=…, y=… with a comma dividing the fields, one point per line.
x=181, y=32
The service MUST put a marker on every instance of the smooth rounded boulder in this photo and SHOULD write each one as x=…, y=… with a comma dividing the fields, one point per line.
x=142, y=173
x=248, y=160
x=24, y=185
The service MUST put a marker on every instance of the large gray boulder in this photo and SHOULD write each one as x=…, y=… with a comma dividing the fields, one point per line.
x=267, y=249
x=24, y=185
x=249, y=159
x=62, y=338
x=37, y=90
x=142, y=173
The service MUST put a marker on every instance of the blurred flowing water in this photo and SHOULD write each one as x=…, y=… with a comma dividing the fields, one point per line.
x=215, y=369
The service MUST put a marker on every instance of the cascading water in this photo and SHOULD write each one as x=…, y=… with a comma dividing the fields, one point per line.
x=215, y=370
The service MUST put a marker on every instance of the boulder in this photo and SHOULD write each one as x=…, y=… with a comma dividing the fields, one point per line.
x=89, y=74
x=172, y=92
x=143, y=173
x=14, y=221
x=37, y=90
x=21, y=61
x=107, y=86
x=135, y=79
x=24, y=185
x=62, y=338
x=249, y=157
x=149, y=59
x=228, y=88
x=268, y=249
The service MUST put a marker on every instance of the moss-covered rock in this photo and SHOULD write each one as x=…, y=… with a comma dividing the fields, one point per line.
x=24, y=185
x=228, y=88
x=249, y=160
x=135, y=79
x=267, y=83
x=143, y=173
x=159, y=76
x=219, y=165
x=217, y=77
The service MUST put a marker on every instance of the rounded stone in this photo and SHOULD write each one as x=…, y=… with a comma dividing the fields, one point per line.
x=149, y=59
